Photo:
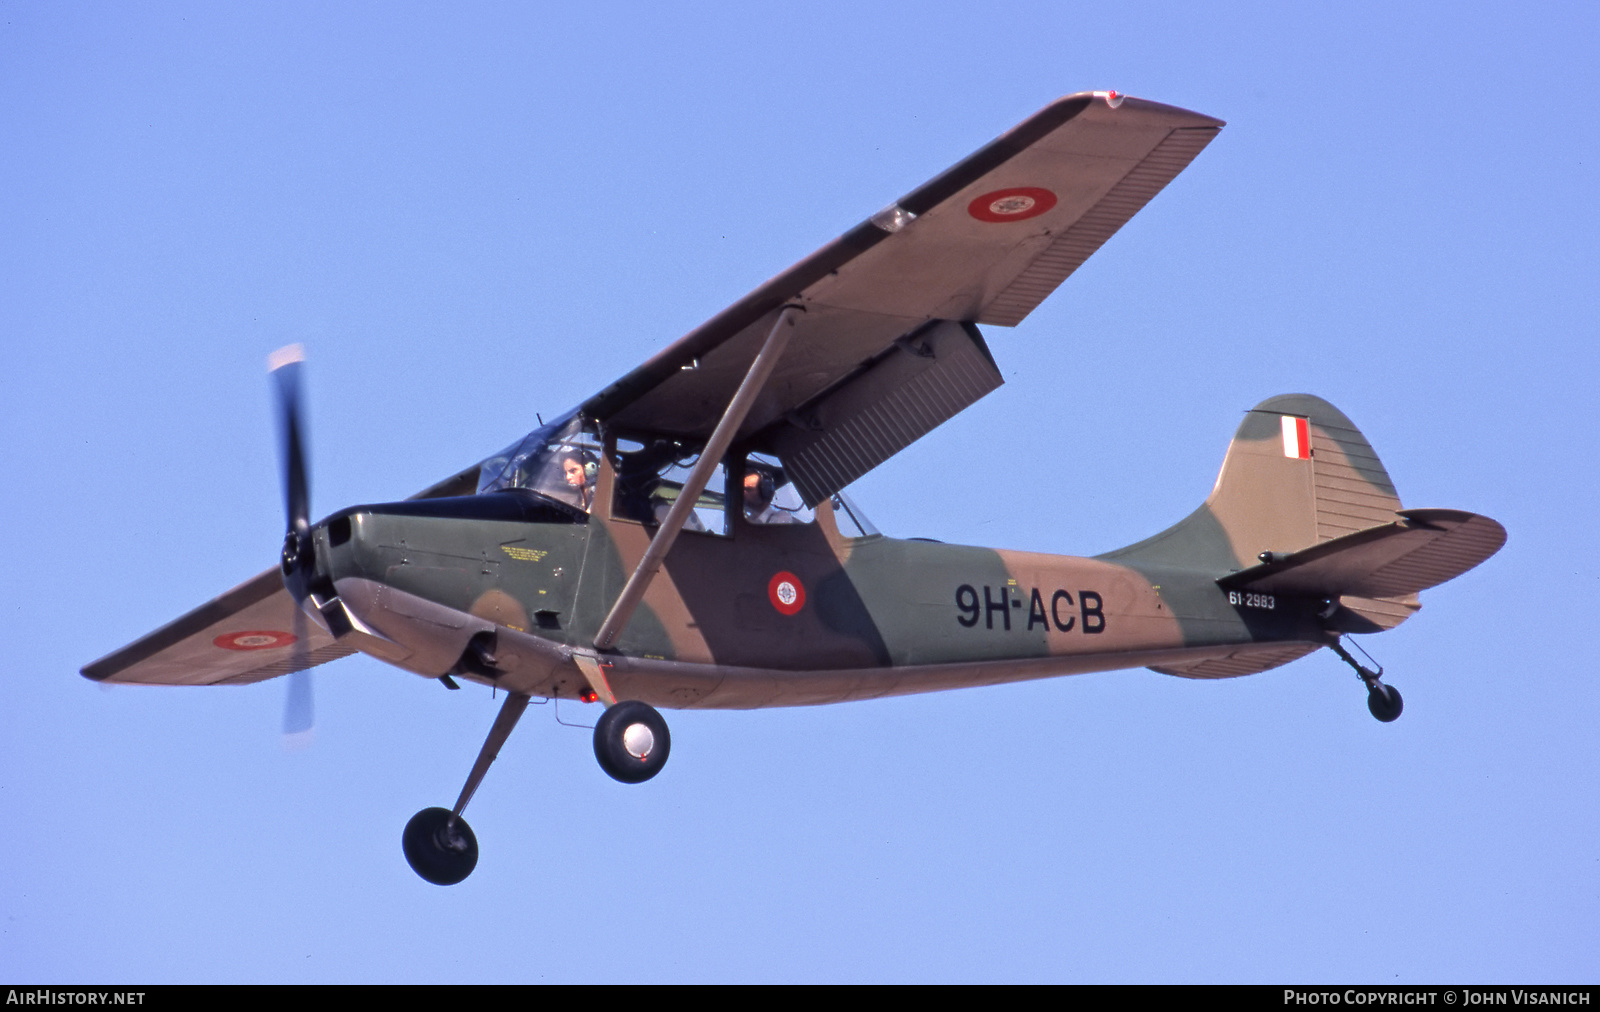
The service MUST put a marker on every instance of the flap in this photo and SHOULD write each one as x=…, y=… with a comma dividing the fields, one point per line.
x=888, y=404
x=1423, y=549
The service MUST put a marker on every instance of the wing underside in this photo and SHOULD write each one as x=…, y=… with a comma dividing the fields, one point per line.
x=884, y=351
x=242, y=636
x=984, y=242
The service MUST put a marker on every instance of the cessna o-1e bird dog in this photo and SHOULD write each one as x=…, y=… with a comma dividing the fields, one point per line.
x=682, y=538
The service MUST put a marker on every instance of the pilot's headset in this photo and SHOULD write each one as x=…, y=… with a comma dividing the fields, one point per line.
x=765, y=486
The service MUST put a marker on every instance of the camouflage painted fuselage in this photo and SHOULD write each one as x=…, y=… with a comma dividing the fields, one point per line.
x=865, y=617
x=799, y=614
x=1302, y=539
x=875, y=616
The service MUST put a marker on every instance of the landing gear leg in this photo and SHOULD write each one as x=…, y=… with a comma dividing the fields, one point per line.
x=1383, y=701
x=438, y=843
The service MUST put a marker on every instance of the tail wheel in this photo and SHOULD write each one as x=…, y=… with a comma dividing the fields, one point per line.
x=631, y=742
x=441, y=853
x=1384, y=702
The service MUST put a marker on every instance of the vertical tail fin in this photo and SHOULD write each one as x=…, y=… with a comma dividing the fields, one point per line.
x=1297, y=473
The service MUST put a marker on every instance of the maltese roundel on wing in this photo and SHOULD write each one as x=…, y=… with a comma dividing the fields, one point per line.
x=1016, y=203
x=255, y=639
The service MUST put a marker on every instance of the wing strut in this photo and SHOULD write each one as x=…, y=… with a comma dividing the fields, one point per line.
x=715, y=447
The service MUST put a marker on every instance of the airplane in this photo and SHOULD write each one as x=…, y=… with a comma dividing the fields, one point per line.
x=683, y=537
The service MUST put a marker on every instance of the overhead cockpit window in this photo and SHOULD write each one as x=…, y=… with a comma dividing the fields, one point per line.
x=560, y=460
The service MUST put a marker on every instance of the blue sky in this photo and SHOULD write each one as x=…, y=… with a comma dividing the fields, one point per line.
x=472, y=214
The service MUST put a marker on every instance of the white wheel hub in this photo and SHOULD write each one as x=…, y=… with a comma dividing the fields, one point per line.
x=638, y=740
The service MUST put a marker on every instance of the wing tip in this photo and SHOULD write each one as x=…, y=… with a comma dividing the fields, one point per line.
x=1122, y=102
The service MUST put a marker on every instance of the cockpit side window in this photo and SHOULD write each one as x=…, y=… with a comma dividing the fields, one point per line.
x=649, y=477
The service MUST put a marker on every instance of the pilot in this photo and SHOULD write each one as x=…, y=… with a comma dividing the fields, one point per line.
x=758, y=492
x=579, y=470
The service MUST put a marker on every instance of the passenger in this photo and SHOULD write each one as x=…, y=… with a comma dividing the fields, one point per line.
x=758, y=492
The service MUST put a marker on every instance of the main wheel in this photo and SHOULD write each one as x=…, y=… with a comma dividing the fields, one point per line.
x=631, y=741
x=1384, y=702
x=441, y=853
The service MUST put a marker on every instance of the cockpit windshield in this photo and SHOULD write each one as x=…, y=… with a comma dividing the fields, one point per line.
x=559, y=460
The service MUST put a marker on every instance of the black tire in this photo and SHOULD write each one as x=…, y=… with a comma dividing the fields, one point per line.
x=611, y=742
x=440, y=853
x=1385, y=709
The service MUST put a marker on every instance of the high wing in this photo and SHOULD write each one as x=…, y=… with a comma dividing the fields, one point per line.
x=240, y=637
x=886, y=348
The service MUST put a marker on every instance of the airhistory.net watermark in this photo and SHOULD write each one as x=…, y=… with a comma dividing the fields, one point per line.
x=45, y=996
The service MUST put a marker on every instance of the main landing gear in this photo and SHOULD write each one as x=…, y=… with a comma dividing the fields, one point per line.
x=440, y=846
x=630, y=741
x=1383, y=701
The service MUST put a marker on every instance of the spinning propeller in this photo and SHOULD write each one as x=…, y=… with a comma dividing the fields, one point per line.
x=298, y=561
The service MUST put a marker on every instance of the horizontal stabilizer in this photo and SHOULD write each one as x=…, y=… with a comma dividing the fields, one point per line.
x=1421, y=550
